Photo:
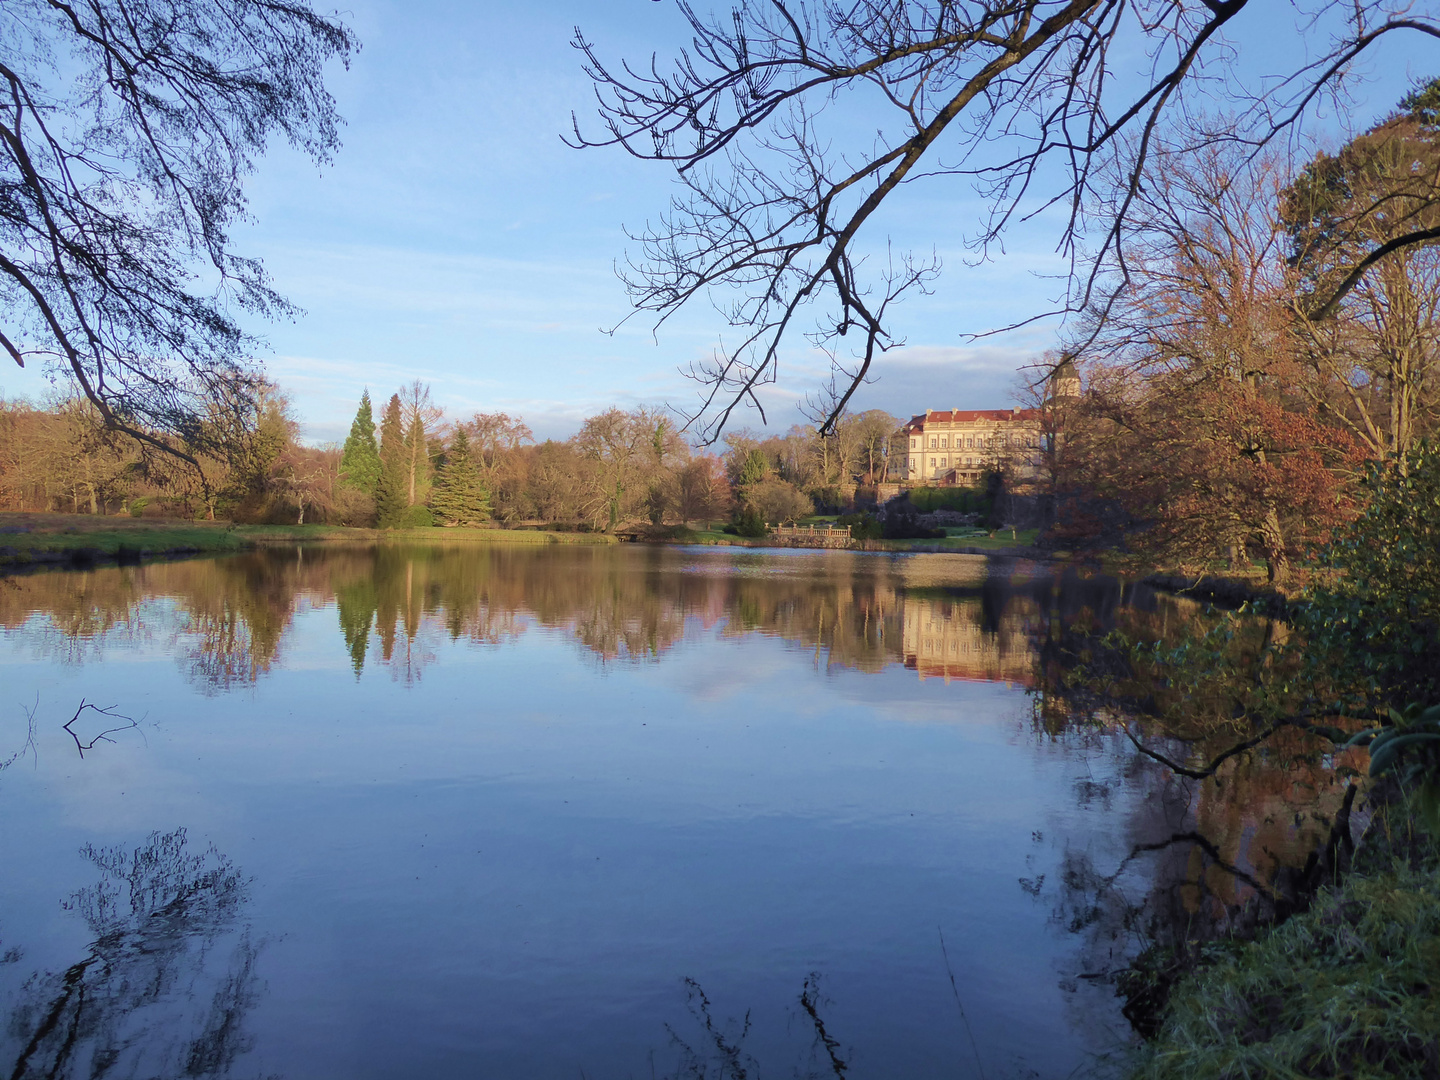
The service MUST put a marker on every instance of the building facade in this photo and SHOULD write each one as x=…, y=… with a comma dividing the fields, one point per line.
x=959, y=446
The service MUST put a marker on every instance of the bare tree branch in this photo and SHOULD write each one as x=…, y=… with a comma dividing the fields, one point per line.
x=126, y=130
x=1023, y=100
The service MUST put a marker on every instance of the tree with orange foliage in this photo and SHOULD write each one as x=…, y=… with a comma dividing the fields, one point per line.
x=1194, y=433
x=1192, y=474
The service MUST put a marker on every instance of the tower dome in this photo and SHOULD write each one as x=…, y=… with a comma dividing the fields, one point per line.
x=1065, y=380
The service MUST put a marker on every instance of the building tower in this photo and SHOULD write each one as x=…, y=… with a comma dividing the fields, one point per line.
x=1064, y=381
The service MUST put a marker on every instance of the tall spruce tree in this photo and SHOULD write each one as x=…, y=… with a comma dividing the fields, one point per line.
x=392, y=487
x=360, y=460
x=459, y=497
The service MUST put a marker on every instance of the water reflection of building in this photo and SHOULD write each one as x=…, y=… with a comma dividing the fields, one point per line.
x=947, y=639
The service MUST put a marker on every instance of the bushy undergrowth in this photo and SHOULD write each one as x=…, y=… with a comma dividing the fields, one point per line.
x=1350, y=985
x=1378, y=621
x=747, y=522
x=964, y=500
x=863, y=526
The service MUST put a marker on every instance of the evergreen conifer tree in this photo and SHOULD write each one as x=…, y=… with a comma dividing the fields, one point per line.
x=356, y=604
x=360, y=460
x=392, y=486
x=459, y=497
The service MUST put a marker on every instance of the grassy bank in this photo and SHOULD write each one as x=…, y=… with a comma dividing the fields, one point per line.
x=41, y=539
x=1348, y=988
x=1349, y=984
x=34, y=540
x=959, y=542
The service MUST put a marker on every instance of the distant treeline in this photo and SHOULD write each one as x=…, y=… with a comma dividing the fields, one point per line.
x=412, y=467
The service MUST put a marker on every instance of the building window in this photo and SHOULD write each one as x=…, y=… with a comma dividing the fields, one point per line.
x=970, y=442
x=932, y=463
x=934, y=442
x=942, y=463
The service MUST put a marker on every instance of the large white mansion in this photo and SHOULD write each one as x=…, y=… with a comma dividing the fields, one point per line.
x=958, y=446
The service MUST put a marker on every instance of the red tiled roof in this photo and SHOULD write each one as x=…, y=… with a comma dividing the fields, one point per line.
x=965, y=416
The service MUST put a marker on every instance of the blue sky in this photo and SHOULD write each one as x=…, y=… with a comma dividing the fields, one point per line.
x=455, y=238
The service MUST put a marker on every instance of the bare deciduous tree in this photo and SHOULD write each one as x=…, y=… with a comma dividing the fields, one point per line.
x=420, y=419
x=1023, y=99
x=126, y=130
x=1376, y=346
x=1196, y=420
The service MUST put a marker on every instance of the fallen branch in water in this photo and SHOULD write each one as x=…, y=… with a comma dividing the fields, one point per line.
x=104, y=736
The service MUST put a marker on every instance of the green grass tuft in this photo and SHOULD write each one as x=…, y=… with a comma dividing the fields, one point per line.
x=1350, y=988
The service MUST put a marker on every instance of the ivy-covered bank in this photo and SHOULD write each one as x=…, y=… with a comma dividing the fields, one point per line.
x=1349, y=984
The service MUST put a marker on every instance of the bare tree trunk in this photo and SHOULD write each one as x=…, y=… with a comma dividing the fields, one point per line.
x=1276, y=562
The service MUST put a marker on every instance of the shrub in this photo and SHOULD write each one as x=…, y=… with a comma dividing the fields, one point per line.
x=778, y=500
x=827, y=499
x=417, y=517
x=1377, y=627
x=748, y=522
x=964, y=500
x=1341, y=990
x=354, y=508
x=862, y=526
x=902, y=522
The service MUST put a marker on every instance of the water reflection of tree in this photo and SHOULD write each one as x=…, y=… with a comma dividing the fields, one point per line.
x=235, y=611
x=713, y=1048
x=228, y=617
x=629, y=605
x=224, y=618
x=70, y=615
x=1203, y=857
x=135, y=1004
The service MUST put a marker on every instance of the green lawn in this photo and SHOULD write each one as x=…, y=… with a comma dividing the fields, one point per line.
x=971, y=538
x=25, y=536
x=52, y=538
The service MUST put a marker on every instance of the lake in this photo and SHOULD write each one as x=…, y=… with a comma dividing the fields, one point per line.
x=564, y=811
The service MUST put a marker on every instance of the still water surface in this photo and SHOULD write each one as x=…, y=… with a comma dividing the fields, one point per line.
x=463, y=811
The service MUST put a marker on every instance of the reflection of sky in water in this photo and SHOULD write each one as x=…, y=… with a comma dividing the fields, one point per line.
x=507, y=867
